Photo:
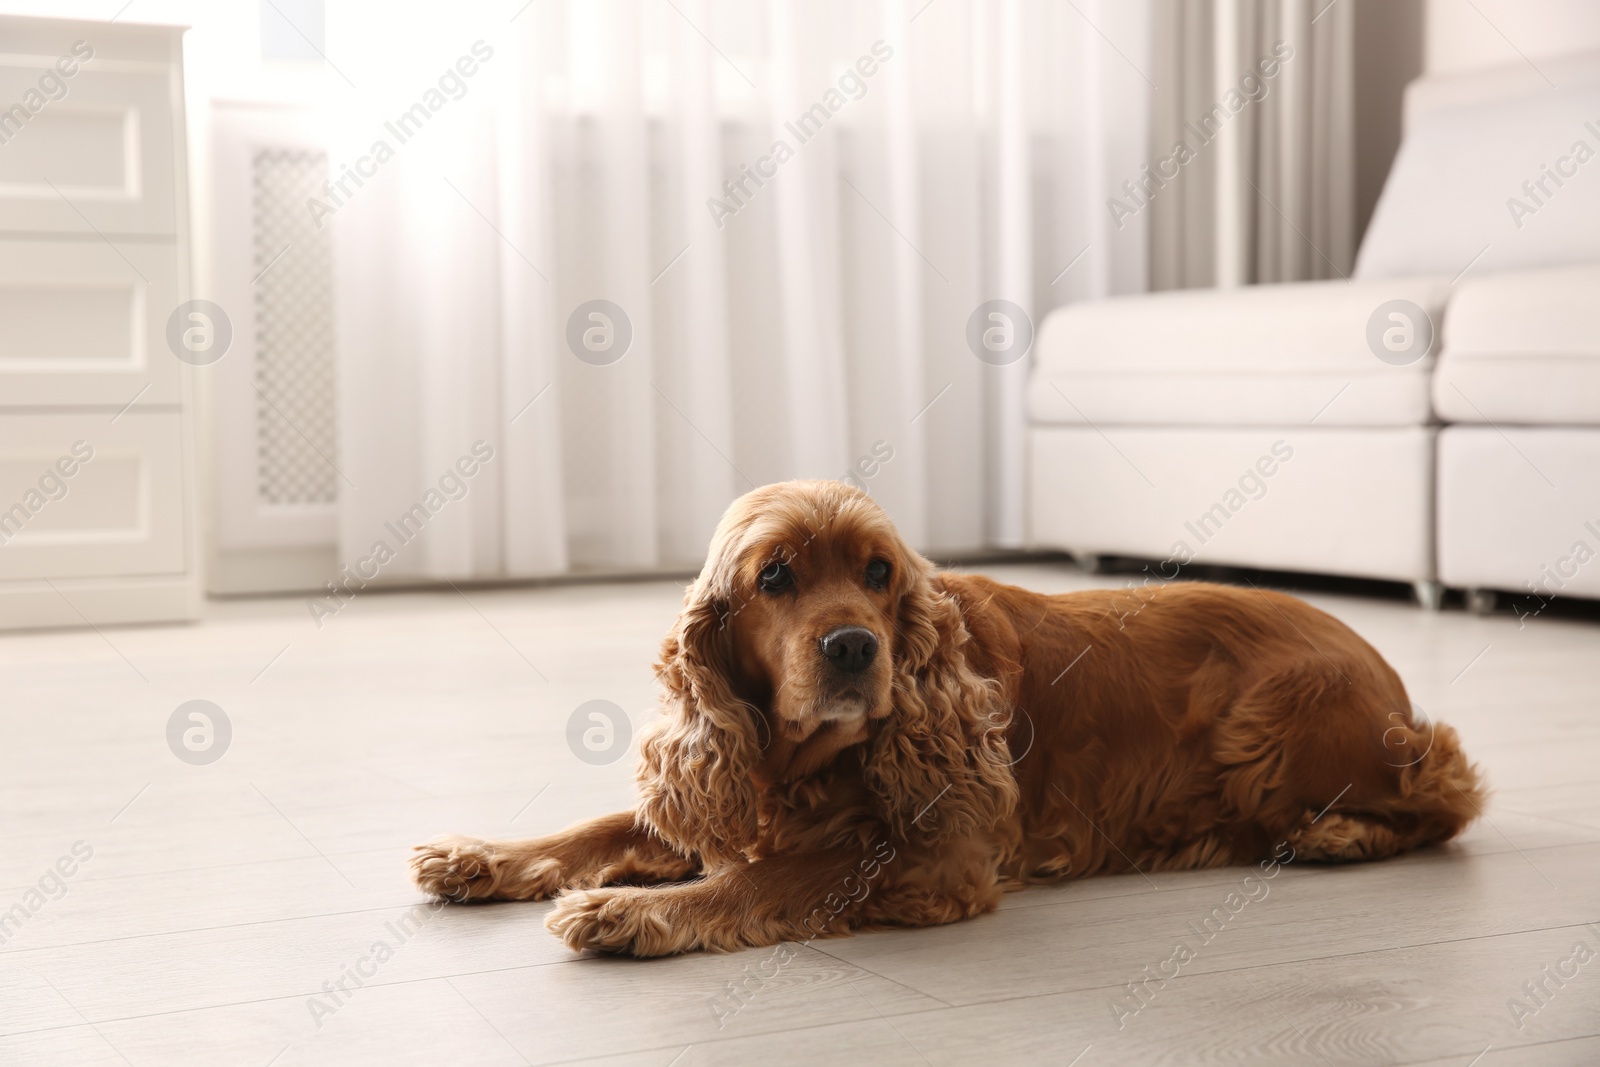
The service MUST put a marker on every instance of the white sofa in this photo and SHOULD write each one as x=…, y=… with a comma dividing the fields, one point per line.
x=1476, y=465
x=1519, y=463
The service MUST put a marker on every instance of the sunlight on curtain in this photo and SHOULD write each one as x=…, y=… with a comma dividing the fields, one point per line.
x=791, y=210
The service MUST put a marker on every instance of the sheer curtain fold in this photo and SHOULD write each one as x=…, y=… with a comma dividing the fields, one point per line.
x=699, y=479
x=796, y=206
x=1014, y=210
x=906, y=495
x=534, y=508
x=1268, y=194
x=807, y=203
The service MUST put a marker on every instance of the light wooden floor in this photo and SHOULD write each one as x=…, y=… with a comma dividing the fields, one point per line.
x=220, y=899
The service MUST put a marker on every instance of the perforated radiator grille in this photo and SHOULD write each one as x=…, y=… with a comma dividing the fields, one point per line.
x=297, y=429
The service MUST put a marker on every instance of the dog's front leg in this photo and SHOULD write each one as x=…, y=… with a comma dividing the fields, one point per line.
x=609, y=849
x=737, y=905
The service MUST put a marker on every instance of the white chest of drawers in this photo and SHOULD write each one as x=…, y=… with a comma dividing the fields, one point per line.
x=96, y=459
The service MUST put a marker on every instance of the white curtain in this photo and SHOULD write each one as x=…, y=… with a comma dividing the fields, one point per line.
x=807, y=321
x=1263, y=93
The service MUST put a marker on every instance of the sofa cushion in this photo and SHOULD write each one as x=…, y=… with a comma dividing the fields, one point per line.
x=1522, y=347
x=1258, y=356
x=1452, y=202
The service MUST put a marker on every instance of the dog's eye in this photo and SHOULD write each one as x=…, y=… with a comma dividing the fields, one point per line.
x=877, y=574
x=775, y=577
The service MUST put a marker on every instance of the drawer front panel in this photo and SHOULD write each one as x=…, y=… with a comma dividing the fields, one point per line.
x=86, y=323
x=82, y=496
x=85, y=153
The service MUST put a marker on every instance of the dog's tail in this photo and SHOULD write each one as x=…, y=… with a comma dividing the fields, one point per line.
x=1442, y=791
x=1438, y=794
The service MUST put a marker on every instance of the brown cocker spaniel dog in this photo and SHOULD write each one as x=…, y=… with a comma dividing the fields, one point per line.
x=853, y=739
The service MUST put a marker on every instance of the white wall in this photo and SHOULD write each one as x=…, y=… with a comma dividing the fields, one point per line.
x=1461, y=35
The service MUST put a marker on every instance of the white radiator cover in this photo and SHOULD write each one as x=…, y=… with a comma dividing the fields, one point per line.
x=274, y=405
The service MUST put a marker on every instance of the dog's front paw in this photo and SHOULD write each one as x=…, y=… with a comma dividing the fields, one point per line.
x=623, y=920
x=467, y=868
x=455, y=868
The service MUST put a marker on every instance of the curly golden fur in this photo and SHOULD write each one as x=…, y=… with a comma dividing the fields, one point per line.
x=852, y=739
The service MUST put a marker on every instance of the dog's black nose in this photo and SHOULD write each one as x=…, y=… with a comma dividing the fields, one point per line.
x=850, y=648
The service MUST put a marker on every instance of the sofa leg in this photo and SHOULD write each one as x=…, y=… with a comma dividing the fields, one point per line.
x=1481, y=601
x=1430, y=595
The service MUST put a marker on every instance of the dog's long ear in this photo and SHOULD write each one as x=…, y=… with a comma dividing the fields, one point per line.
x=695, y=766
x=939, y=765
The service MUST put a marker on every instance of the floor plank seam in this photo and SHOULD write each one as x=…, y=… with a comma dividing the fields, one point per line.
x=1282, y=963
x=166, y=872
x=1471, y=1052
x=245, y=924
x=885, y=978
x=294, y=996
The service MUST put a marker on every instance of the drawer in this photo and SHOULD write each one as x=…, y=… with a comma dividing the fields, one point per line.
x=87, y=323
x=118, y=512
x=91, y=152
